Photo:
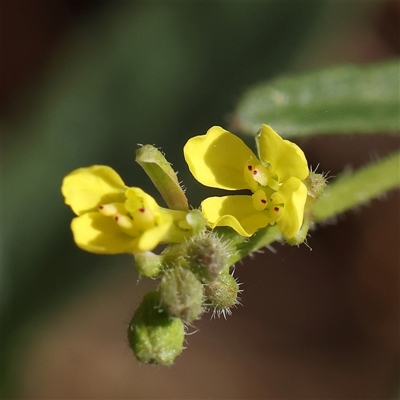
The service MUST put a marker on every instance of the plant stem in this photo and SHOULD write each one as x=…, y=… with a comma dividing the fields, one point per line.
x=353, y=189
x=346, y=192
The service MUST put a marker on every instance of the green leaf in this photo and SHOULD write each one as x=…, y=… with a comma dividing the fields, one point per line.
x=337, y=100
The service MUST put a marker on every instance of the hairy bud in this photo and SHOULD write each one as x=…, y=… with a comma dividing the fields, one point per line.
x=181, y=294
x=207, y=256
x=222, y=293
x=316, y=184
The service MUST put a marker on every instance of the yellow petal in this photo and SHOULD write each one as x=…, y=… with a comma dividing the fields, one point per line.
x=152, y=237
x=285, y=157
x=234, y=211
x=87, y=188
x=294, y=193
x=99, y=234
x=217, y=159
x=137, y=198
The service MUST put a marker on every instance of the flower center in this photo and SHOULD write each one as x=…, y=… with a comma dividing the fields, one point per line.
x=265, y=199
x=257, y=175
x=264, y=186
x=133, y=217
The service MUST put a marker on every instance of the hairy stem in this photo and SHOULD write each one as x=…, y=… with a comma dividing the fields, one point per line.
x=346, y=192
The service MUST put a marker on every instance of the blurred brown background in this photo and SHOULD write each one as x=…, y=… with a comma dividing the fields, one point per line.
x=320, y=324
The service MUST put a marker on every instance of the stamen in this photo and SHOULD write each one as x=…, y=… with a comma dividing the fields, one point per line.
x=144, y=218
x=127, y=225
x=123, y=221
x=109, y=210
x=259, y=200
x=260, y=175
x=249, y=177
x=275, y=213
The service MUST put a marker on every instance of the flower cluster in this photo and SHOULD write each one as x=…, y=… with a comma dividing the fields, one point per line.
x=193, y=262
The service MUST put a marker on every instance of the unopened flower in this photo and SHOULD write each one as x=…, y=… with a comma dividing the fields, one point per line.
x=113, y=218
x=222, y=294
x=181, y=294
x=154, y=336
x=220, y=159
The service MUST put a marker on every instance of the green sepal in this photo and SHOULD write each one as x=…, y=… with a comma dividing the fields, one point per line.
x=148, y=264
x=163, y=176
x=153, y=335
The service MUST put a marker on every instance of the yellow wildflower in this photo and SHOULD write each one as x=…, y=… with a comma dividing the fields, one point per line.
x=220, y=159
x=113, y=218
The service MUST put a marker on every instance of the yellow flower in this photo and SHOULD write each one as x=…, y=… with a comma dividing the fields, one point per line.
x=220, y=159
x=113, y=218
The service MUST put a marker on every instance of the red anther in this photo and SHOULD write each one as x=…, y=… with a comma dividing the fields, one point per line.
x=116, y=218
x=101, y=207
x=263, y=201
x=276, y=208
x=142, y=210
x=249, y=167
x=255, y=172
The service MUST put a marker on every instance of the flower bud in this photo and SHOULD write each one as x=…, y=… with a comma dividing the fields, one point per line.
x=148, y=264
x=316, y=184
x=222, y=293
x=153, y=335
x=181, y=294
x=207, y=256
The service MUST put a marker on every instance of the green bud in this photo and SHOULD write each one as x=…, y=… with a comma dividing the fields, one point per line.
x=207, y=256
x=148, y=264
x=153, y=335
x=222, y=294
x=316, y=184
x=163, y=176
x=181, y=294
